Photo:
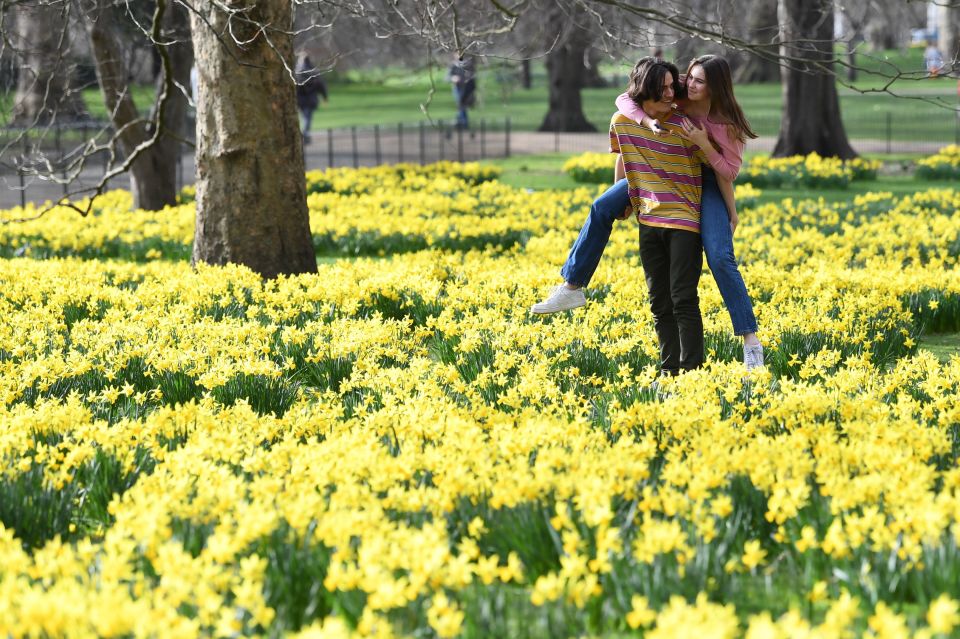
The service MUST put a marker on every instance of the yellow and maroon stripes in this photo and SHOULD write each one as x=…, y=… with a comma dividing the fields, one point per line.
x=663, y=172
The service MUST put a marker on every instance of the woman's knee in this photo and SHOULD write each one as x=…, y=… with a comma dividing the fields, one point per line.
x=601, y=212
x=612, y=203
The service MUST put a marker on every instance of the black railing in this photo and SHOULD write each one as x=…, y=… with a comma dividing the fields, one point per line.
x=34, y=162
x=419, y=143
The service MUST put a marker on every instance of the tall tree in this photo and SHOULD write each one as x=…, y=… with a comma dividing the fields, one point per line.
x=948, y=26
x=762, y=28
x=41, y=39
x=153, y=175
x=592, y=77
x=811, y=108
x=685, y=49
x=526, y=78
x=889, y=21
x=565, y=69
x=854, y=20
x=251, y=191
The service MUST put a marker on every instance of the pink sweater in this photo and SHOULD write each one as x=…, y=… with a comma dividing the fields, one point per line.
x=726, y=163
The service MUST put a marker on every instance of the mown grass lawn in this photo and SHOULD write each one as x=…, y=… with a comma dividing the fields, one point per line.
x=943, y=345
x=389, y=96
x=872, y=116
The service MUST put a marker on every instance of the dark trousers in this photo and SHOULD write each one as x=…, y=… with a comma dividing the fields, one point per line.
x=672, y=261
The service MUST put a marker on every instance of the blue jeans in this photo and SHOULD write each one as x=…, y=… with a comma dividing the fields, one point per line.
x=718, y=247
x=585, y=255
x=715, y=233
x=459, y=96
x=306, y=121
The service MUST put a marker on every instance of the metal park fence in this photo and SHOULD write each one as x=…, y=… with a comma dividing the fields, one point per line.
x=35, y=162
x=420, y=143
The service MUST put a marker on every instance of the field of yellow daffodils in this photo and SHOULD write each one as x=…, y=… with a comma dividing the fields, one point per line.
x=394, y=447
x=798, y=171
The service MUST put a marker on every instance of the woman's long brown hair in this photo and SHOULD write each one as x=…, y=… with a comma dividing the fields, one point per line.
x=722, y=100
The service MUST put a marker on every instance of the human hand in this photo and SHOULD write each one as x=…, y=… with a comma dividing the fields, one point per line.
x=695, y=134
x=734, y=221
x=655, y=126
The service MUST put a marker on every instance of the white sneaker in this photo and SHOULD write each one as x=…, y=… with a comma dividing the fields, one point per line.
x=657, y=388
x=752, y=356
x=561, y=299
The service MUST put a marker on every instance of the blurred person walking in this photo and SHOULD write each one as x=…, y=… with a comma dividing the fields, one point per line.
x=310, y=88
x=932, y=59
x=463, y=77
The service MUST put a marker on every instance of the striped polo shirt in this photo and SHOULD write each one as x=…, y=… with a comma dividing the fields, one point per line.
x=663, y=172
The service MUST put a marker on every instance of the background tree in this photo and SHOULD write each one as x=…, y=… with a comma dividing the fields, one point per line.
x=592, y=76
x=153, y=178
x=889, y=22
x=948, y=27
x=337, y=40
x=763, y=29
x=251, y=190
x=526, y=77
x=565, y=69
x=854, y=17
x=690, y=26
x=687, y=46
x=41, y=39
x=884, y=24
x=811, y=108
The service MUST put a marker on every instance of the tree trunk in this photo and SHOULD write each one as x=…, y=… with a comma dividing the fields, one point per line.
x=854, y=27
x=592, y=77
x=881, y=34
x=43, y=81
x=525, y=76
x=565, y=72
x=948, y=26
x=811, y=109
x=685, y=50
x=851, y=61
x=251, y=190
x=153, y=174
x=762, y=29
